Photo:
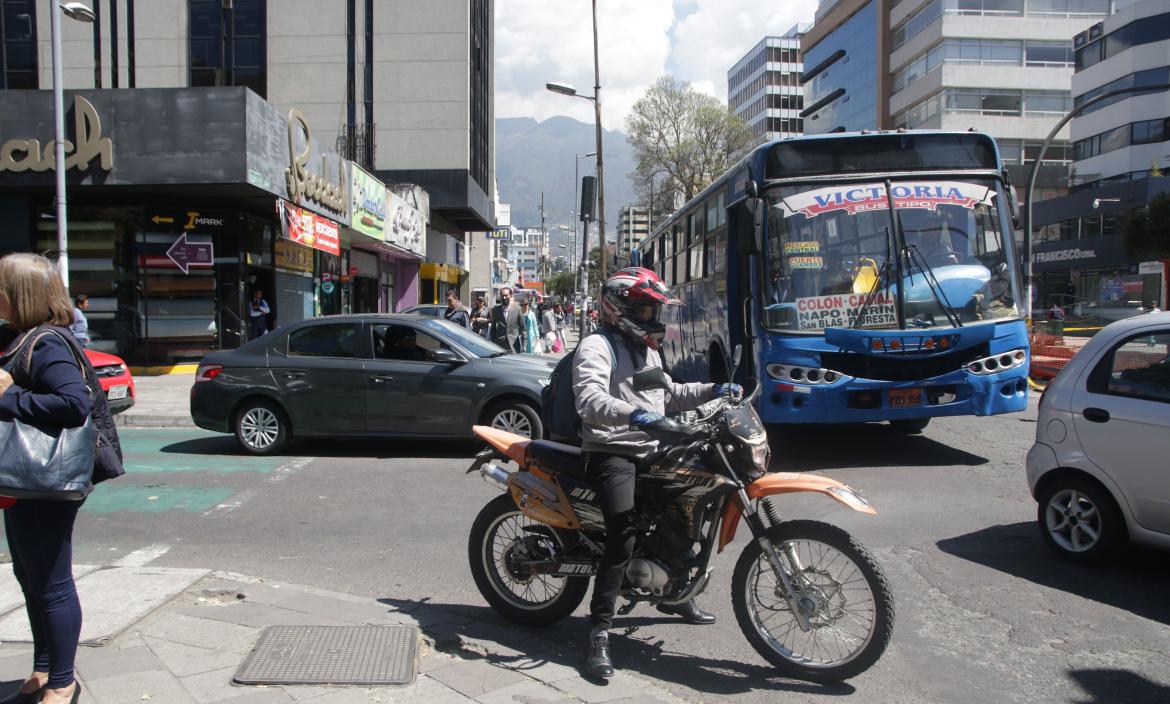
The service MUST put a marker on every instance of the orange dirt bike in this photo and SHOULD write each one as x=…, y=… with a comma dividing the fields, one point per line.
x=810, y=599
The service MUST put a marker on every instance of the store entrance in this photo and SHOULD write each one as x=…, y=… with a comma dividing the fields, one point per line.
x=262, y=280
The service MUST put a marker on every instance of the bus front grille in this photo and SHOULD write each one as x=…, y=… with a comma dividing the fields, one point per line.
x=902, y=368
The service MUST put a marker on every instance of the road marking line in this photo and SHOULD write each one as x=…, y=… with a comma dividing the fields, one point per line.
x=228, y=506
x=283, y=471
x=146, y=555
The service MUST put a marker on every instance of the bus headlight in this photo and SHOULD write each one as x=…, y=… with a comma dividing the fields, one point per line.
x=803, y=375
x=997, y=363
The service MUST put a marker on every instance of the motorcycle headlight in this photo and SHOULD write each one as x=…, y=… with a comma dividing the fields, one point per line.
x=761, y=459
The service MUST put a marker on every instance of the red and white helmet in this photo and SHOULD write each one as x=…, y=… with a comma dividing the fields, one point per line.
x=624, y=298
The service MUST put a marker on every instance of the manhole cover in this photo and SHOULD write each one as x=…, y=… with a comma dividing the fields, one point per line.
x=366, y=655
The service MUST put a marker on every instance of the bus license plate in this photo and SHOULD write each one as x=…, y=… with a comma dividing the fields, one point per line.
x=901, y=398
x=118, y=392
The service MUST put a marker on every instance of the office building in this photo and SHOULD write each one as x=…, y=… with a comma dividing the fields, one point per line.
x=335, y=154
x=528, y=255
x=764, y=87
x=1121, y=152
x=633, y=226
x=845, y=67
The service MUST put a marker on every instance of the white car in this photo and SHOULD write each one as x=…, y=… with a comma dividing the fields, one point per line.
x=1100, y=467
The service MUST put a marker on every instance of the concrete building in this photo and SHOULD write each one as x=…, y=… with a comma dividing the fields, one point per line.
x=764, y=87
x=1001, y=66
x=633, y=226
x=1121, y=151
x=527, y=253
x=396, y=90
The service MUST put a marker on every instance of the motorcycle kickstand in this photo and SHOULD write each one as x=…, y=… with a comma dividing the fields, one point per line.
x=627, y=608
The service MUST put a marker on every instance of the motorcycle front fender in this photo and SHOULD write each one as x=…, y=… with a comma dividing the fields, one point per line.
x=788, y=483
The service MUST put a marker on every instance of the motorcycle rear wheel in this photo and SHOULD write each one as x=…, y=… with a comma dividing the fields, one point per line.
x=532, y=599
x=848, y=601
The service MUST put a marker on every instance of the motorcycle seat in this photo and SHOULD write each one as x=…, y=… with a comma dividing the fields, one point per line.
x=558, y=457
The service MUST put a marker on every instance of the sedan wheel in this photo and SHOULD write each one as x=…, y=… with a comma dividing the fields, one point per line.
x=261, y=428
x=518, y=418
x=1079, y=520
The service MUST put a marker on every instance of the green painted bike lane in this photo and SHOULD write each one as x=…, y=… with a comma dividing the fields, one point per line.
x=184, y=470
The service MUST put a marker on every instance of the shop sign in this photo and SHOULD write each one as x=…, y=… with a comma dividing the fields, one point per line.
x=18, y=155
x=1065, y=255
x=844, y=311
x=189, y=220
x=500, y=233
x=327, y=287
x=308, y=228
x=367, y=203
x=304, y=185
x=406, y=226
x=188, y=254
x=1150, y=268
x=353, y=271
x=293, y=257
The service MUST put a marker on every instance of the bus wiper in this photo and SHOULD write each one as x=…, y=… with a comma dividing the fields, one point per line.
x=915, y=258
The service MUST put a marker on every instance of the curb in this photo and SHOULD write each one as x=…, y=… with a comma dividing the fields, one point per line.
x=123, y=420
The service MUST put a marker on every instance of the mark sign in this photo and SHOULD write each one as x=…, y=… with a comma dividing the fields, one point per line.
x=188, y=254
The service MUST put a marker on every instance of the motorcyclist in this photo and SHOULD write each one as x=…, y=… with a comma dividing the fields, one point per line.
x=613, y=418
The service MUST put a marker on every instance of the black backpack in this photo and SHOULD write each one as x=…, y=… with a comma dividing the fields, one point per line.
x=558, y=407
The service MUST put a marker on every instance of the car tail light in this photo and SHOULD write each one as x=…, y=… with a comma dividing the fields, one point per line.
x=207, y=373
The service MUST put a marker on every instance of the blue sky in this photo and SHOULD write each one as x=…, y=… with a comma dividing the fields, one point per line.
x=538, y=41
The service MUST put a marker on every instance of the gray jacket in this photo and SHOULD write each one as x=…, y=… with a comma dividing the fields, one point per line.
x=605, y=398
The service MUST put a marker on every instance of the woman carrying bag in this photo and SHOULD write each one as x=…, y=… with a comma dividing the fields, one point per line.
x=44, y=386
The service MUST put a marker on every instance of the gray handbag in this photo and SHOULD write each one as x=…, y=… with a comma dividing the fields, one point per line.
x=45, y=462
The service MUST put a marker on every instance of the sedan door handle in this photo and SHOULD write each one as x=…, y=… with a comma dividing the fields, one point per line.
x=382, y=379
x=294, y=375
x=1097, y=415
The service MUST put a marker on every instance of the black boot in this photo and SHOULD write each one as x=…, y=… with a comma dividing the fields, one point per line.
x=597, y=662
x=690, y=612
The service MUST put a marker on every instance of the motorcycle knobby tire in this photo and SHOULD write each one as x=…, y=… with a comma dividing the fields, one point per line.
x=841, y=541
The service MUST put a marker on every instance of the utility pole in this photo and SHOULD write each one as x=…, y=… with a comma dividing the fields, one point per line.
x=600, y=163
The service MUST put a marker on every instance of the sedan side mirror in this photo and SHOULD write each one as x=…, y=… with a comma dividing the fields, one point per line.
x=446, y=356
x=650, y=379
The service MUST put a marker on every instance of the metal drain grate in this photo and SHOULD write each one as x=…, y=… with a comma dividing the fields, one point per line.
x=366, y=655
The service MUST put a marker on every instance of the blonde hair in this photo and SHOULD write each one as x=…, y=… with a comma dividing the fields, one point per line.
x=34, y=290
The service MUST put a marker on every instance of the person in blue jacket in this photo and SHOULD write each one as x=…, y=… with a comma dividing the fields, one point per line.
x=50, y=392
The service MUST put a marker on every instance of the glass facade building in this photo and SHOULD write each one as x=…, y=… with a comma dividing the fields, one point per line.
x=841, y=76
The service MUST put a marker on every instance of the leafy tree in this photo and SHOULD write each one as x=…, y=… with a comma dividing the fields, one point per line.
x=682, y=138
x=561, y=284
x=1147, y=232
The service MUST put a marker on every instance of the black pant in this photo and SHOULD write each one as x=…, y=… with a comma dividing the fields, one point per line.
x=613, y=478
x=40, y=538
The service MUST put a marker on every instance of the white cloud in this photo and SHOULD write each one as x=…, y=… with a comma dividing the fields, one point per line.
x=639, y=40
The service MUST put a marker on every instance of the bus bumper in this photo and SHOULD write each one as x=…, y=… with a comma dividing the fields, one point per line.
x=959, y=393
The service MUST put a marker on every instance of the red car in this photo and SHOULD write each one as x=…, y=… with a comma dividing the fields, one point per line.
x=115, y=378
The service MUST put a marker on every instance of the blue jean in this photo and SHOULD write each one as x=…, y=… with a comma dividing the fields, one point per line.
x=40, y=538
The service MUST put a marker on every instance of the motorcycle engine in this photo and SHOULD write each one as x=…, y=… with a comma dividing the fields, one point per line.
x=648, y=574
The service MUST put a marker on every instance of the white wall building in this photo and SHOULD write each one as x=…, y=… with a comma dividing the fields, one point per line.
x=1002, y=67
x=1127, y=137
x=764, y=89
x=526, y=249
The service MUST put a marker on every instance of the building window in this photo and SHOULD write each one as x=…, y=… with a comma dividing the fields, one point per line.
x=480, y=95
x=227, y=44
x=18, y=59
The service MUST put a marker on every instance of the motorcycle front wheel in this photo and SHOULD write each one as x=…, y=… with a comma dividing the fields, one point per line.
x=840, y=589
x=497, y=541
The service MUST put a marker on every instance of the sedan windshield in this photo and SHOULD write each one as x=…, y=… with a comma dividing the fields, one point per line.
x=834, y=256
x=466, y=339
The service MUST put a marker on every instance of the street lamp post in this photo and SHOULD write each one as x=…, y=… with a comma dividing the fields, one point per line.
x=81, y=13
x=566, y=89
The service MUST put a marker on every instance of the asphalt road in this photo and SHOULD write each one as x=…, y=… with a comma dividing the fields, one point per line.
x=984, y=612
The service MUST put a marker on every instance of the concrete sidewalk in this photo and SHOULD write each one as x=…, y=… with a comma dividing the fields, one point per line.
x=187, y=646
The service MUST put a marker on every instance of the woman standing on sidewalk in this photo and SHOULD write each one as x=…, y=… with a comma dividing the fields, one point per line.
x=40, y=533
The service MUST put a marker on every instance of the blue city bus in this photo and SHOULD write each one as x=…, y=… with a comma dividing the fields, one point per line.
x=868, y=276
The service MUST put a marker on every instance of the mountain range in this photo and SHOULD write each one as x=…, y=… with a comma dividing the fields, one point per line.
x=532, y=157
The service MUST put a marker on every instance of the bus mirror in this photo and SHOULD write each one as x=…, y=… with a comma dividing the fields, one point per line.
x=748, y=240
x=1014, y=205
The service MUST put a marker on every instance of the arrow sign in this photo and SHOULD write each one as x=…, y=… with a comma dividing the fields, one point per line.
x=188, y=254
x=160, y=219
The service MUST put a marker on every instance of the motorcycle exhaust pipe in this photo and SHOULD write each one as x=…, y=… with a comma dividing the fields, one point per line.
x=495, y=475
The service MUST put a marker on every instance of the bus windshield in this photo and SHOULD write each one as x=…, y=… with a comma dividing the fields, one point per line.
x=835, y=258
